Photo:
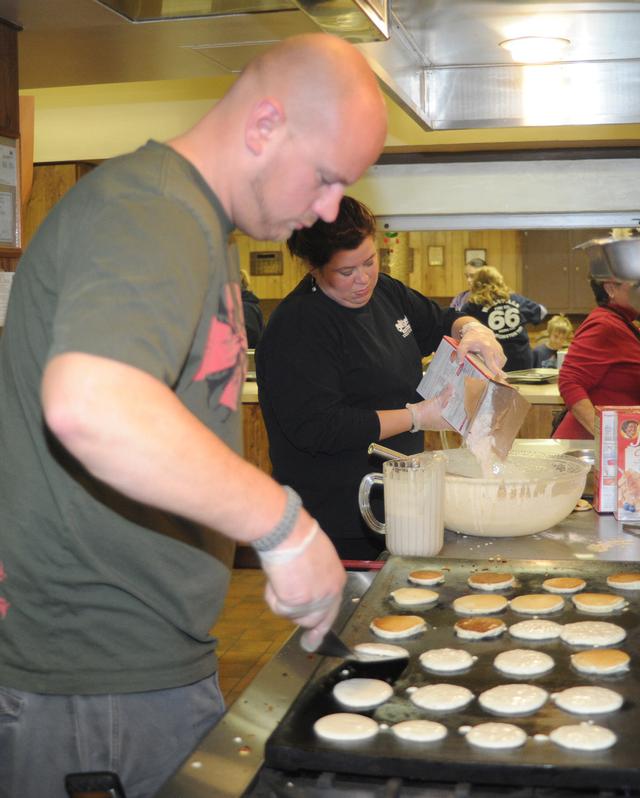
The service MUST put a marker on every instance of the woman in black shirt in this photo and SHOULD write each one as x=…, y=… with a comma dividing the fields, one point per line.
x=338, y=366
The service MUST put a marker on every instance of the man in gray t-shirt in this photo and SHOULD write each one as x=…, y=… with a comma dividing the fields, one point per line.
x=121, y=367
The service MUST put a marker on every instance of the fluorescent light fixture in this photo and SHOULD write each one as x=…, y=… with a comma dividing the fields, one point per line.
x=535, y=49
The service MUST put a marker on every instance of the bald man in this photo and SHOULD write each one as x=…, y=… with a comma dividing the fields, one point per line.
x=122, y=489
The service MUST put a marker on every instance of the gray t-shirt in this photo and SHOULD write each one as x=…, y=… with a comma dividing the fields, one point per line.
x=98, y=593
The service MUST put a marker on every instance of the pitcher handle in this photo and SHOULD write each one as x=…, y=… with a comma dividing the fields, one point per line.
x=367, y=482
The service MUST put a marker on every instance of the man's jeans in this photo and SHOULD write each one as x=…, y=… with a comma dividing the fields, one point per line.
x=143, y=737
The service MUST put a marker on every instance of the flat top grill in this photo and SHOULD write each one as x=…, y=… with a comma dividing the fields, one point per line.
x=294, y=745
x=272, y=783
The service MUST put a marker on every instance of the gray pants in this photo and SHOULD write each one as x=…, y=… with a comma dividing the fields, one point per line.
x=143, y=737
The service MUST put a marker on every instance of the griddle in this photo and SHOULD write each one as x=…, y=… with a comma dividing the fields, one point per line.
x=294, y=745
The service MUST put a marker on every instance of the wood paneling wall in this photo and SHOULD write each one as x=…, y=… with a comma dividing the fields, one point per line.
x=272, y=286
x=503, y=247
x=50, y=183
x=9, y=103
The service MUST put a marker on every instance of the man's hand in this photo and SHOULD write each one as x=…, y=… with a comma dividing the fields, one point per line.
x=480, y=339
x=305, y=580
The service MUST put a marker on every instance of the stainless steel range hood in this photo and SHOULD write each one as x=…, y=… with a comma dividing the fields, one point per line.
x=442, y=61
x=355, y=20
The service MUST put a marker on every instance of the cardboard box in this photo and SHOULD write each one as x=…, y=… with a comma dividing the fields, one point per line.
x=617, y=461
x=476, y=396
x=628, y=429
x=605, y=465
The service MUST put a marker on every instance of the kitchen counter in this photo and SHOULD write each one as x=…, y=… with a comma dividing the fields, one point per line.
x=250, y=392
x=545, y=403
x=228, y=758
x=545, y=393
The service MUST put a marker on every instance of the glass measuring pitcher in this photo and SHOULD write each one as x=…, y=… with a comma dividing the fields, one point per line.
x=413, y=504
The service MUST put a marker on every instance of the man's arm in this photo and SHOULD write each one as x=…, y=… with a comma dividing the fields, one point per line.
x=130, y=431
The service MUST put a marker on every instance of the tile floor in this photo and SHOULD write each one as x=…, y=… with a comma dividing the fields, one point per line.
x=248, y=633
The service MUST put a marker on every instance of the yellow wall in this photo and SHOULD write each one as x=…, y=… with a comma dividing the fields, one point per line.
x=503, y=250
x=94, y=122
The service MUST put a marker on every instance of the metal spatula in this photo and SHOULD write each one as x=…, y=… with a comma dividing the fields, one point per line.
x=385, y=668
x=331, y=646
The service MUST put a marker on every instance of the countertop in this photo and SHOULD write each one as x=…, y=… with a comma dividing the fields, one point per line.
x=544, y=394
x=250, y=392
x=229, y=756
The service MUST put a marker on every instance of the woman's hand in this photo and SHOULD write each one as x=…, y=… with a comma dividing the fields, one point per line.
x=427, y=415
x=475, y=337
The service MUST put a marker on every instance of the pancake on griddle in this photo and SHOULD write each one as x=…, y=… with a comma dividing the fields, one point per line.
x=583, y=737
x=442, y=697
x=536, y=629
x=513, y=699
x=490, y=580
x=479, y=627
x=362, y=693
x=412, y=596
x=446, y=660
x=345, y=727
x=564, y=584
x=592, y=633
x=479, y=604
x=629, y=580
x=419, y=731
x=601, y=661
x=598, y=603
x=523, y=662
x=394, y=626
x=426, y=577
x=496, y=735
x=588, y=699
x=380, y=651
x=536, y=603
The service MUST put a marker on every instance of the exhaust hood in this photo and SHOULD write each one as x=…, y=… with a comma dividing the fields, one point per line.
x=440, y=61
x=355, y=20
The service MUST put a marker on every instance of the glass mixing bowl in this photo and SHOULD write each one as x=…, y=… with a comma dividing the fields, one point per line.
x=531, y=493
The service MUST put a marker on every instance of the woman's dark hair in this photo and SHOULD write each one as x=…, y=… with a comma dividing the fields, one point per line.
x=601, y=296
x=317, y=244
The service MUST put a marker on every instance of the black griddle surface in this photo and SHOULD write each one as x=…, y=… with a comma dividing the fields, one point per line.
x=294, y=745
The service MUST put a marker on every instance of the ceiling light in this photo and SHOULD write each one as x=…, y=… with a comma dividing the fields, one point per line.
x=535, y=49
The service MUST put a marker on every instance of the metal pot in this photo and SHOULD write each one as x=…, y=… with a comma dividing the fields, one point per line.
x=585, y=456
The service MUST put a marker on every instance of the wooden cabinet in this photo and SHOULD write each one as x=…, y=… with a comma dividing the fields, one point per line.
x=556, y=274
x=50, y=183
x=443, y=281
x=9, y=104
x=9, y=114
x=255, y=439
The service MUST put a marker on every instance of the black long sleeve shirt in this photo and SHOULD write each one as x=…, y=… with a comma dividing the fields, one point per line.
x=323, y=370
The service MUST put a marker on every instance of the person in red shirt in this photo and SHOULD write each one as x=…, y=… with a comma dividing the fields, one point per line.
x=602, y=366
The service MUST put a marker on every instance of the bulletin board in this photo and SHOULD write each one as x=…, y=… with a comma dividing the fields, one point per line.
x=9, y=194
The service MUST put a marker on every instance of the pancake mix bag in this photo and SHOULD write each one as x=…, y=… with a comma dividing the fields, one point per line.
x=486, y=412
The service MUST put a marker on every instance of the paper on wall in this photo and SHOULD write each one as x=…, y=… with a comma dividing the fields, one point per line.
x=6, y=280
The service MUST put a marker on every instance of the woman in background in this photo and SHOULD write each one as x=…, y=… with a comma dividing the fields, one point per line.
x=602, y=366
x=470, y=270
x=505, y=313
x=338, y=366
x=253, y=318
x=559, y=331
